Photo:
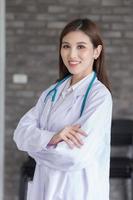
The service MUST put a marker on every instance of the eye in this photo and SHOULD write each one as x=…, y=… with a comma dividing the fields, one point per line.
x=65, y=46
x=81, y=46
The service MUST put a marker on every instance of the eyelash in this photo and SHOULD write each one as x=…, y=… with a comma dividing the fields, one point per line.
x=67, y=46
x=81, y=47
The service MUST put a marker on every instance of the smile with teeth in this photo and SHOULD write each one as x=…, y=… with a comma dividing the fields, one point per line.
x=74, y=62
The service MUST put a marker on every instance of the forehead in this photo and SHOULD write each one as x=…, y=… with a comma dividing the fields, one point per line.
x=76, y=36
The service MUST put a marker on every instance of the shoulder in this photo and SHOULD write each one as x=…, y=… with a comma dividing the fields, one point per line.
x=48, y=89
x=100, y=88
x=100, y=92
x=44, y=93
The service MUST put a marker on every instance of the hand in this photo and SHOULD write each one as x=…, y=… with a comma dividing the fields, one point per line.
x=71, y=135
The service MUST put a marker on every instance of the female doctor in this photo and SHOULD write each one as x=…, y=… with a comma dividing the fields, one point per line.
x=68, y=131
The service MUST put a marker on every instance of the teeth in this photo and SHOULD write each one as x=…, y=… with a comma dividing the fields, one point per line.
x=73, y=62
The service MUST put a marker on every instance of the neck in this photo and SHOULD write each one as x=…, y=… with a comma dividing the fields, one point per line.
x=76, y=78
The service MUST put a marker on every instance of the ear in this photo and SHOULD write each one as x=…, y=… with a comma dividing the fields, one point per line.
x=97, y=51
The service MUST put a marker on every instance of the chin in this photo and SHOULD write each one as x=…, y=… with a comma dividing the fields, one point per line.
x=74, y=72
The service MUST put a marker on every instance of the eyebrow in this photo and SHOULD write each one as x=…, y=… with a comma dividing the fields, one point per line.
x=77, y=42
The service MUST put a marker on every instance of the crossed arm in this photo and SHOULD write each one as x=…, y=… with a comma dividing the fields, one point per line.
x=95, y=121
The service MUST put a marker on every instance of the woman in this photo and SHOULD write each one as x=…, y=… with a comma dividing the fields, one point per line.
x=68, y=130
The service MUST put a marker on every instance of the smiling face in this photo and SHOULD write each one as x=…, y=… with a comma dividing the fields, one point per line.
x=78, y=53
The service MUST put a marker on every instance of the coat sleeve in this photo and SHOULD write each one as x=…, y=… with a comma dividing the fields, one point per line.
x=28, y=135
x=96, y=122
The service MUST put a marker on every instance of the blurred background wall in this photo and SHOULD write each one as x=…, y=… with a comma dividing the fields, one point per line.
x=32, y=33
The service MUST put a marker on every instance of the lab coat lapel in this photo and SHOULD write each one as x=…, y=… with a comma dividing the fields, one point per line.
x=68, y=100
x=71, y=98
x=81, y=89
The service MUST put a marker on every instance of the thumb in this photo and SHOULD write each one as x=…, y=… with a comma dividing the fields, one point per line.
x=78, y=125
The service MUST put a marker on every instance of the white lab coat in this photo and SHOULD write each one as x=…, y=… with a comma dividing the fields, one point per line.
x=62, y=173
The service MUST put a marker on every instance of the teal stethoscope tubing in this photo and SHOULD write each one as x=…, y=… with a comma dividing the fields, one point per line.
x=54, y=90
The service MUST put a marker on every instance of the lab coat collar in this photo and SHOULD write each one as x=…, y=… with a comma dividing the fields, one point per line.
x=80, y=88
x=82, y=80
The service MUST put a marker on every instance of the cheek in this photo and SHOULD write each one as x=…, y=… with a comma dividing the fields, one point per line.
x=63, y=54
x=87, y=55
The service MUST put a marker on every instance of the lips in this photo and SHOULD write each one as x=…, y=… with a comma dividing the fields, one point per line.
x=73, y=63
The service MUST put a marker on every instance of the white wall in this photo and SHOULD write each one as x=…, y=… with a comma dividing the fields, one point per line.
x=2, y=92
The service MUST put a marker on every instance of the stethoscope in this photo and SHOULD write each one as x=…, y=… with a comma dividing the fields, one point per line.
x=55, y=89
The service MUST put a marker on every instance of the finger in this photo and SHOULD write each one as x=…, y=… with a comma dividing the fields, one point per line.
x=77, y=137
x=76, y=127
x=69, y=143
x=82, y=132
x=73, y=132
x=76, y=140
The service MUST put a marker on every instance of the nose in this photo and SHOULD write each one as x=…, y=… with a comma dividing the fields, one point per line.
x=72, y=53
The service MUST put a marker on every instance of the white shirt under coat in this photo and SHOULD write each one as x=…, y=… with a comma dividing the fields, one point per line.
x=63, y=173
